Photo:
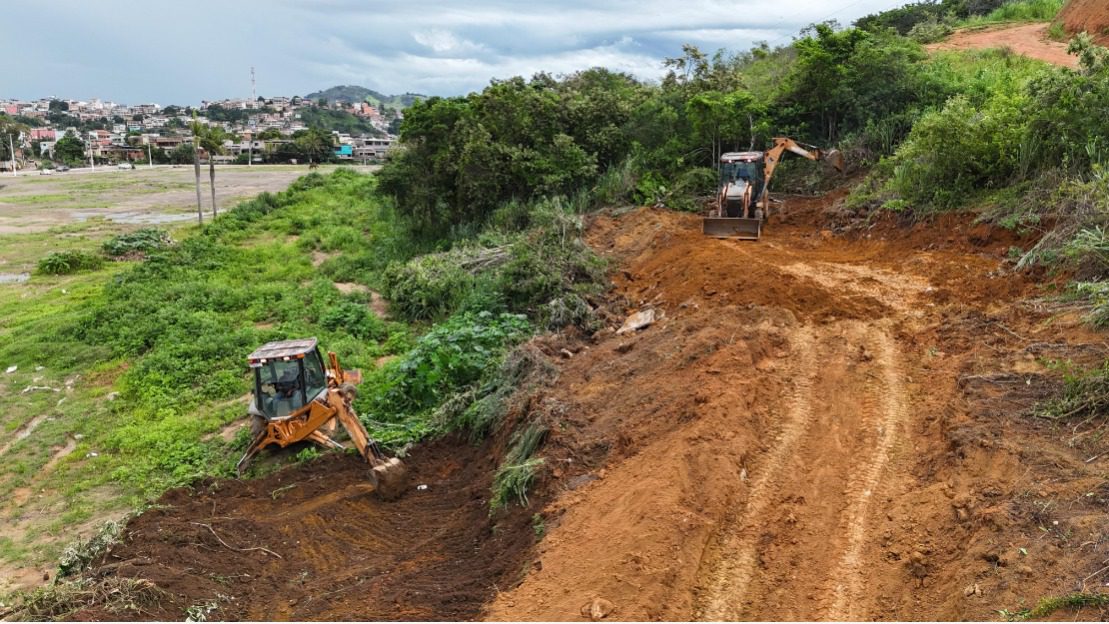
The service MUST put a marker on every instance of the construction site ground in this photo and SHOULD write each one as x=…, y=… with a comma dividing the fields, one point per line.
x=818, y=425
x=1029, y=40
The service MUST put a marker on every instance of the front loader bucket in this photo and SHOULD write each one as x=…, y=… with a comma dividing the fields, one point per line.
x=732, y=227
x=389, y=478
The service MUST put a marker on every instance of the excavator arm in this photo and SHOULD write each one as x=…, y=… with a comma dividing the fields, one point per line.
x=784, y=144
x=388, y=474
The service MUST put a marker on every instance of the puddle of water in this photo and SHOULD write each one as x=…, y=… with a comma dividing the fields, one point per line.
x=134, y=217
x=14, y=278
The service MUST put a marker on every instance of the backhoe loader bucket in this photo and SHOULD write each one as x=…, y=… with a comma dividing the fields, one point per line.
x=389, y=478
x=732, y=227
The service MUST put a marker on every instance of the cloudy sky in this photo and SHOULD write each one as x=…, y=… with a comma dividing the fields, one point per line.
x=135, y=51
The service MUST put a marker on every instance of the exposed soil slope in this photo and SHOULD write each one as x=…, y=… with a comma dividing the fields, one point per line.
x=1027, y=39
x=1091, y=16
x=817, y=429
x=344, y=555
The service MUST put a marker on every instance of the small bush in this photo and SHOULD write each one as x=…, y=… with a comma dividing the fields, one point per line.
x=69, y=262
x=1085, y=394
x=430, y=286
x=451, y=357
x=144, y=241
x=930, y=31
x=1026, y=11
x=480, y=410
x=307, y=455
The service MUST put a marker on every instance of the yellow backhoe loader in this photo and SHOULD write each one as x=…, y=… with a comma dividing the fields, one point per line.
x=297, y=398
x=743, y=201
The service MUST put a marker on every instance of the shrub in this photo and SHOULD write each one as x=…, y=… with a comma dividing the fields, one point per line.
x=69, y=262
x=145, y=240
x=930, y=31
x=430, y=286
x=450, y=357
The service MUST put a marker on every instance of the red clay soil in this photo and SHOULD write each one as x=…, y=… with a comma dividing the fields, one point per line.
x=816, y=427
x=1027, y=39
x=338, y=552
x=1090, y=16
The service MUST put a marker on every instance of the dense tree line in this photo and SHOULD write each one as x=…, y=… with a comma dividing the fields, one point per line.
x=520, y=139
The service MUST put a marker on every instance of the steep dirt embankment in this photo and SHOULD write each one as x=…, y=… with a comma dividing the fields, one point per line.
x=817, y=429
x=1027, y=39
x=1091, y=16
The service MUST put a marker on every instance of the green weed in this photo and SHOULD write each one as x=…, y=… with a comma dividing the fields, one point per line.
x=519, y=467
x=307, y=455
x=1047, y=606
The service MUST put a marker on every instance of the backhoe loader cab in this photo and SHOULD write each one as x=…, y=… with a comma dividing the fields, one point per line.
x=297, y=397
x=743, y=167
x=287, y=375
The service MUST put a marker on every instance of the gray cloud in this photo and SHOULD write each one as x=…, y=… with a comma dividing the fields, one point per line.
x=139, y=51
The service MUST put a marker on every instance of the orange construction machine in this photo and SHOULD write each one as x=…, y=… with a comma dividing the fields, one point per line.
x=743, y=202
x=296, y=398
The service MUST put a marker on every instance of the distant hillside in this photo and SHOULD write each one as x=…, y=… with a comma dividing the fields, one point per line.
x=353, y=93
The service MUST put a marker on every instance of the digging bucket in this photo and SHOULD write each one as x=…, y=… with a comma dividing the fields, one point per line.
x=731, y=227
x=389, y=478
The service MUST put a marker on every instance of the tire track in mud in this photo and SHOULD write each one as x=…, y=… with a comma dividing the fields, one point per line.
x=804, y=527
x=731, y=573
x=893, y=412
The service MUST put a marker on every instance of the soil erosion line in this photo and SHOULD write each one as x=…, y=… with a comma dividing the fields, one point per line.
x=736, y=545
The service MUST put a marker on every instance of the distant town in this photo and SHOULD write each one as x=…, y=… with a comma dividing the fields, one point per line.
x=352, y=123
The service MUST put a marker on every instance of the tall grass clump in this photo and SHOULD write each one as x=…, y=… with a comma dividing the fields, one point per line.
x=519, y=467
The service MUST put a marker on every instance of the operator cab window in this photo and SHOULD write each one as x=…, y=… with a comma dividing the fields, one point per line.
x=279, y=388
x=315, y=379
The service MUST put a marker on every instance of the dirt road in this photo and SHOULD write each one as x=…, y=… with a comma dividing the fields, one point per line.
x=818, y=427
x=1027, y=39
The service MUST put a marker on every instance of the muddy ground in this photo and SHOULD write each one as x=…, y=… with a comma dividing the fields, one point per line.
x=1030, y=40
x=818, y=427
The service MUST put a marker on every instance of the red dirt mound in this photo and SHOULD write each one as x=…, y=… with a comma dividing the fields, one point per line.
x=338, y=553
x=1091, y=16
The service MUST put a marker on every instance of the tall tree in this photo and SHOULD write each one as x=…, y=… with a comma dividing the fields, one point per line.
x=316, y=144
x=69, y=149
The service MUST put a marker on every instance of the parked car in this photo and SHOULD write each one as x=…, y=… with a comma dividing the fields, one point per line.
x=62, y=168
x=46, y=172
x=125, y=165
